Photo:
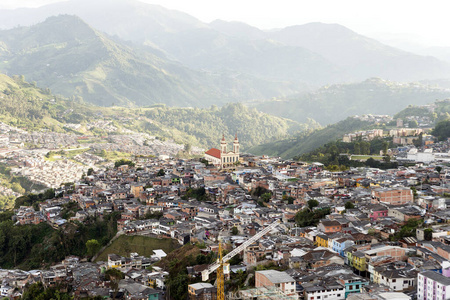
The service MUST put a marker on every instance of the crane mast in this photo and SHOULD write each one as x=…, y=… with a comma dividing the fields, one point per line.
x=222, y=260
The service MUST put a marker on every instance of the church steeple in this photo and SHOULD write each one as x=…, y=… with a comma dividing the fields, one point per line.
x=223, y=144
x=236, y=145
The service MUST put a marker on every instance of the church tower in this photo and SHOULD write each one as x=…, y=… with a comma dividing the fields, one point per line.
x=236, y=145
x=223, y=145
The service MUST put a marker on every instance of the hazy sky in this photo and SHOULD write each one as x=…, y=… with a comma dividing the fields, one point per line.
x=423, y=22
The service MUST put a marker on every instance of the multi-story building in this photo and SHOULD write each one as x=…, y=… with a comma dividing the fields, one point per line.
x=433, y=286
x=394, y=196
x=277, y=279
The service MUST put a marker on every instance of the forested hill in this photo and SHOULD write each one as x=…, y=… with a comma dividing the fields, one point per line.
x=26, y=106
x=205, y=126
x=308, y=141
x=335, y=103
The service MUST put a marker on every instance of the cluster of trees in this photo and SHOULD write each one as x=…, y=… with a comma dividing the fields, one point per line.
x=122, y=162
x=34, y=199
x=205, y=126
x=442, y=130
x=197, y=193
x=409, y=229
x=311, y=215
x=36, y=246
x=38, y=291
x=264, y=195
x=18, y=184
x=335, y=155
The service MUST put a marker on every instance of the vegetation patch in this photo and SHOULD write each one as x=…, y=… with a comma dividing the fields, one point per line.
x=143, y=245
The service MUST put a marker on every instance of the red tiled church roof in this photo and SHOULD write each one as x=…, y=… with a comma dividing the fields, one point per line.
x=213, y=152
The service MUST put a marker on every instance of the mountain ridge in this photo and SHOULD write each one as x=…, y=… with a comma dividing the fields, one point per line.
x=340, y=54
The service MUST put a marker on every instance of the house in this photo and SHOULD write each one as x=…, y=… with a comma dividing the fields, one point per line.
x=202, y=291
x=281, y=280
x=393, y=196
x=329, y=226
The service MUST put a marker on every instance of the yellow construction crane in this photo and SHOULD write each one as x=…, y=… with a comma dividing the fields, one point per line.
x=220, y=277
x=219, y=265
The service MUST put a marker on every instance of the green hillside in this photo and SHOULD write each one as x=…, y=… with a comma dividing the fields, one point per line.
x=72, y=59
x=335, y=103
x=206, y=126
x=307, y=142
x=26, y=106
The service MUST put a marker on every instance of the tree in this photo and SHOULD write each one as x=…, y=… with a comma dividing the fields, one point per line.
x=438, y=169
x=349, y=205
x=428, y=234
x=90, y=171
x=122, y=162
x=16, y=187
x=92, y=246
x=188, y=148
x=413, y=124
x=161, y=172
x=114, y=276
x=357, y=148
x=234, y=230
x=442, y=130
x=266, y=197
x=312, y=203
x=385, y=148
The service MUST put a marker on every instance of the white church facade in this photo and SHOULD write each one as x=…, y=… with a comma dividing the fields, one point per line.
x=222, y=158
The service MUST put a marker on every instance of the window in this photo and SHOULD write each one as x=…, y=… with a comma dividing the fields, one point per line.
x=338, y=295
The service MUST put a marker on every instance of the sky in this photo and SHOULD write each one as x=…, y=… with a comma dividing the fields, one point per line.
x=421, y=22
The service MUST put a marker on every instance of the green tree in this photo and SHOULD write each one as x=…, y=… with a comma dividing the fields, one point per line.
x=442, y=130
x=413, y=124
x=234, y=230
x=92, y=246
x=312, y=203
x=161, y=172
x=114, y=276
x=16, y=187
x=188, y=148
x=349, y=205
x=428, y=234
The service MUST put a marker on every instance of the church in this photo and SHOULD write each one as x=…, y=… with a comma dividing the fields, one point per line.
x=222, y=158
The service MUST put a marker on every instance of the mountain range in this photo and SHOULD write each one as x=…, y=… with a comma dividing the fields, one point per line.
x=132, y=53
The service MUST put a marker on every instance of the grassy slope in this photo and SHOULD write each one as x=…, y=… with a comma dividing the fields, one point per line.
x=140, y=244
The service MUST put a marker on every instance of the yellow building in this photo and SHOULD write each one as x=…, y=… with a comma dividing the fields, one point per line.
x=322, y=241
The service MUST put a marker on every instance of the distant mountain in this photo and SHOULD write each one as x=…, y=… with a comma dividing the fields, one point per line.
x=310, y=54
x=73, y=59
x=361, y=56
x=334, y=103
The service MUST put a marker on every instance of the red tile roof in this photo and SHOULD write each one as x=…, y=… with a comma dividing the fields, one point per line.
x=213, y=152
